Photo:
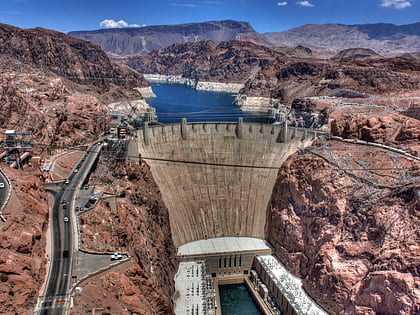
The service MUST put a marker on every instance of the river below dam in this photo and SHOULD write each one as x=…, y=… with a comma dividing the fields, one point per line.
x=236, y=300
x=176, y=101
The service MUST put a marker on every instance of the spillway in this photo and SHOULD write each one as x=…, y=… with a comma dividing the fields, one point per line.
x=217, y=178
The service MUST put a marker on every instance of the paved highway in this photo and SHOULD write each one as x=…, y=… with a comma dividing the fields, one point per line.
x=4, y=191
x=55, y=298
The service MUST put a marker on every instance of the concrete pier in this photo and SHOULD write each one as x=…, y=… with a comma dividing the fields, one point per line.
x=217, y=178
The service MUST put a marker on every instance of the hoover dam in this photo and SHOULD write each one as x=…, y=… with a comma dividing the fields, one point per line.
x=216, y=180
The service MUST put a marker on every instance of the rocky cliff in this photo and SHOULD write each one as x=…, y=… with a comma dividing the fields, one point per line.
x=138, y=225
x=60, y=81
x=141, y=41
x=344, y=216
x=22, y=244
x=328, y=39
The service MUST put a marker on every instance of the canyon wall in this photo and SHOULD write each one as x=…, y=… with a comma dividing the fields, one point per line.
x=22, y=243
x=217, y=179
x=136, y=222
x=344, y=217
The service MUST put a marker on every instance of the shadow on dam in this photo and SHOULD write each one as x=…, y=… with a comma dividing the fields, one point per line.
x=217, y=178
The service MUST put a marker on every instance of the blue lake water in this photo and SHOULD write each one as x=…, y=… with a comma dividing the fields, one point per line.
x=236, y=300
x=176, y=101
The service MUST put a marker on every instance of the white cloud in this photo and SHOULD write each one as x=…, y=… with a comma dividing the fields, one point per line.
x=397, y=4
x=114, y=24
x=305, y=4
x=282, y=4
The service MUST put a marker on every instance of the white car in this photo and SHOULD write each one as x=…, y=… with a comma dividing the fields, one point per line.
x=116, y=256
x=66, y=219
x=1, y=185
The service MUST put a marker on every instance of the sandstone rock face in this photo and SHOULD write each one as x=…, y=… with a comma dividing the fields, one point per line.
x=22, y=245
x=140, y=226
x=345, y=218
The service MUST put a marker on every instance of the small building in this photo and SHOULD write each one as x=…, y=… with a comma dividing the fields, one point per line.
x=10, y=138
x=122, y=130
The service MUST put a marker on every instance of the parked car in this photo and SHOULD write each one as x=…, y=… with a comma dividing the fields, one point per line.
x=116, y=256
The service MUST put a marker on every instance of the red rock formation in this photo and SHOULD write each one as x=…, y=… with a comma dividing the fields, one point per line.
x=62, y=83
x=22, y=245
x=140, y=226
x=384, y=127
x=345, y=218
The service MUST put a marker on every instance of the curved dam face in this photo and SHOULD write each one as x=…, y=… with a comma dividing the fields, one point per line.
x=217, y=178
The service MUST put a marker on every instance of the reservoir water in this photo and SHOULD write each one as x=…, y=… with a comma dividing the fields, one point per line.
x=176, y=101
x=236, y=300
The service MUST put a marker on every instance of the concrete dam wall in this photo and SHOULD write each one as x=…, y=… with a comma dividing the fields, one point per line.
x=217, y=178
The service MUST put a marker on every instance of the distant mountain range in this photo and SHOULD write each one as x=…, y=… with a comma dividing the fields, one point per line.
x=124, y=42
x=385, y=39
x=324, y=40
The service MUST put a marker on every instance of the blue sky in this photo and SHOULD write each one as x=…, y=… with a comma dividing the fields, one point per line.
x=264, y=15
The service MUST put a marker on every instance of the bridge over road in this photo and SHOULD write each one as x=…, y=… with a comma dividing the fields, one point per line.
x=217, y=178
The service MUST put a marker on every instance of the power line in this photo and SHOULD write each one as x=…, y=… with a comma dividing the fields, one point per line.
x=256, y=166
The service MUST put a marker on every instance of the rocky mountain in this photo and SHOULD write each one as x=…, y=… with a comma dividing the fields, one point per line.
x=140, y=41
x=350, y=232
x=356, y=53
x=328, y=39
x=268, y=73
x=62, y=82
x=208, y=60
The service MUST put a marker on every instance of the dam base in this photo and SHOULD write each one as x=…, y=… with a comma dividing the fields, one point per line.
x=208, y=263
x=205, y=265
